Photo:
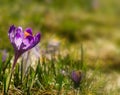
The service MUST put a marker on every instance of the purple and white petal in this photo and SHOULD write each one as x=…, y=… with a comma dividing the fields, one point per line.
x=20, y=31
x=11, y=33
x=28, y=41
x=34, y=41
x=37, y=38
x=11, y=29
x=29, y=30
x=18, y=40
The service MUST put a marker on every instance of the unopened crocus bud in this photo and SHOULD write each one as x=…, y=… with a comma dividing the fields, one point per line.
x=76, y=77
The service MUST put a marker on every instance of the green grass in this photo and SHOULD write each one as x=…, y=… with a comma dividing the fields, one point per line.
x=47, y=77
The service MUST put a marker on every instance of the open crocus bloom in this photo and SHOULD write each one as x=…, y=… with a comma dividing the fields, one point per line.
x=22, y=40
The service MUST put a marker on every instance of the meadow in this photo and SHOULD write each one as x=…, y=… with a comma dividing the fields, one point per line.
x=78, y=53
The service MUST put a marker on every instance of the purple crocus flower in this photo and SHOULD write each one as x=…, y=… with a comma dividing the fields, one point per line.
x=76, y=77
x=22, y=40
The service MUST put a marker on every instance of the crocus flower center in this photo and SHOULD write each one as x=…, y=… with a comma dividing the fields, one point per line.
x=26, y=34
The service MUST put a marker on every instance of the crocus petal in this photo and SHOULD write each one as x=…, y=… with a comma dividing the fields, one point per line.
x=20, y=31
x=18, y=40
x=11, y=33
x=29, y=30
x=37, y=38
x=27, y=42
x=11, y=29
x=33, y=41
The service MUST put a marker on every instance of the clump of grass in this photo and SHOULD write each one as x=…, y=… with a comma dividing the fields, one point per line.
x=53, y=76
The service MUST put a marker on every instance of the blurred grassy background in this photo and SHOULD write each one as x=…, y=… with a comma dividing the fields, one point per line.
x=94, y=22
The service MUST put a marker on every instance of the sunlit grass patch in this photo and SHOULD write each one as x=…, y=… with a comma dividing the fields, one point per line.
x=53, y=76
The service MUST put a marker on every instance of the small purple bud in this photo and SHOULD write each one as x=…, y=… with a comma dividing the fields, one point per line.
x=76, y=77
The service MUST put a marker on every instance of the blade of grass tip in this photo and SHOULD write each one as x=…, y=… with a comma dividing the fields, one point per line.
x=4, y=81
x=0, y=68
x=7, y=63
x=60, y=81
x=83, y=65
x=10, y=77
x=40, y=85
x=39, y=72
x=25, y=85
x=21, y=71
x=53, y=64
x=82, y=56
x=44, y=64
x=32, y=75
x=38, y=69
x=16, y=76
x=8, y=81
